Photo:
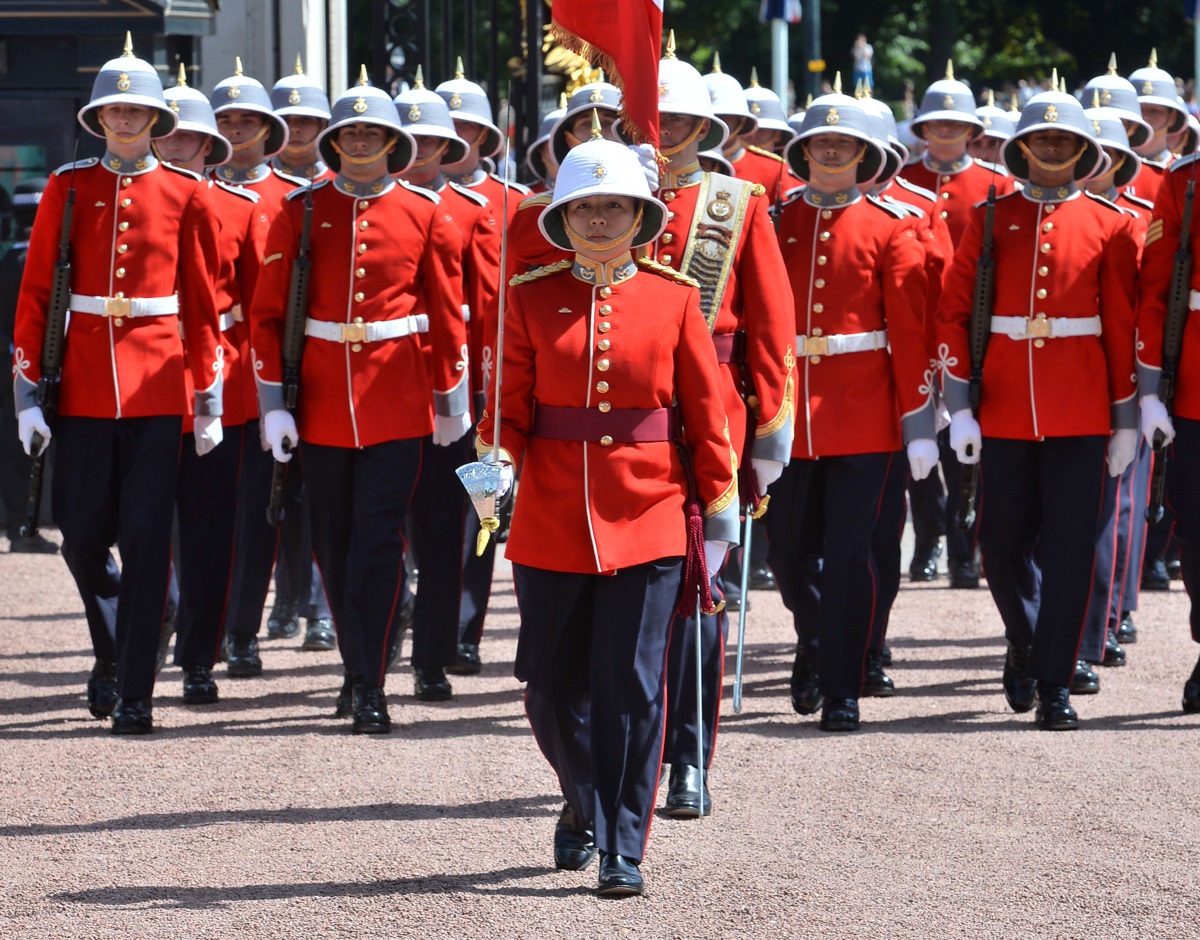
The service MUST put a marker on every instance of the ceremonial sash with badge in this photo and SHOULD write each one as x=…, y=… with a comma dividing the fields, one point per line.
x=713, y=238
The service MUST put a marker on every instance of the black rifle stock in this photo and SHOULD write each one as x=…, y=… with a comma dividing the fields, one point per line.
x=293, y=351
x=980, y=332
x=1177, y=313
x=53, y=343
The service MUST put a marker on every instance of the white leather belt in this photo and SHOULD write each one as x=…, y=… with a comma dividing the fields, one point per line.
x=1044, y=327
x=126, y=306
x=466, y=313
x=230, y=318
x=372, y=332
x=838, y=344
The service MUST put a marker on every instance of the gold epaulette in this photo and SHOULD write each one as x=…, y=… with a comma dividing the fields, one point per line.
x=535, y=201
x=758, y=189
x=667, y=271
x=538, y=273
x=764, y=153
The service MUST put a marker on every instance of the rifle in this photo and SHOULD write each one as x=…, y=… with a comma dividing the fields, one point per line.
x=293, y=351
x=980, y=332
x=1177, y=313
x=53, y=343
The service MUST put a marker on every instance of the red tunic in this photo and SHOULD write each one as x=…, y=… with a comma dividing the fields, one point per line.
x=765, y=168
x=375, y=256
x=1075, y=258
x=145, y=234
x=527, y=247
x=957, y=190
x=639, y=343
x=857, y=268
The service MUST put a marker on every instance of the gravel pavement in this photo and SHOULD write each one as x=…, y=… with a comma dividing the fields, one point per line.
x=262, y=817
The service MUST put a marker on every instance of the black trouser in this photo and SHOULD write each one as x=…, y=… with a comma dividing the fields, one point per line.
x=838, y=500
x=358, y=536
x=298, y=586
x=592, y=650
x=1184, y=496
x=960, y=544
x=255, y=542
x=206, y=504
x=1039, y=511
x=439, y=509
x=885, y=546
x=927, y=501
x=115, y=485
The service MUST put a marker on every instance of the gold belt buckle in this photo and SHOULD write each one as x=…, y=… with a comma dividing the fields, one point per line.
x=116, y=306
x=1039, y=327
x=816, y=346
x=355, y=332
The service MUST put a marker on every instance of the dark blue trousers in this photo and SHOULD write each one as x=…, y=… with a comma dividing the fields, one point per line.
x=206, y=503
x=439, y=509
x=1184, y=496
x=114, y=484
x=359, y=500
x=592, y=651
x=1038, y=515
x=838, y=500
x=255, y=540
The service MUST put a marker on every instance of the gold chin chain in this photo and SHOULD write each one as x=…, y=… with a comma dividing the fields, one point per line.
x=580, y=242
x=126, y=139
x=436, y=155
x=247, y=144
x=841, y=167
x=1051, y=167
x=387, y=148
x=950, y=141
x=701, y=128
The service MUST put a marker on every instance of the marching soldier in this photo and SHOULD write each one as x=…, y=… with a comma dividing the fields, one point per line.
x=719, y=233
x=613, y=353
x=385, y=268
x=772, y=132
x=998, y=126
x=207, y=495
x=302, y=103
x=539, y=158
x=856, y=267
x=747, y=161
x=1057, y=393
x=450, y=578
x=1166, y=114
x=143, y=248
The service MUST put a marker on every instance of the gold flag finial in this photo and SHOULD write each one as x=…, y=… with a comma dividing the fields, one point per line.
x=597, y=131
x=458, y=69
x=362, y=75
x=182, y=82
x=127, y=52
x=858, y=89
x=237, y=65
x=754, y=76
x=950, y=70
x=671, y=44
x=837, y=83
x=1112, y=63
x=562, y=101
x=419, y=81
x=717, y=62
x=1153, y=58
x=299, y=65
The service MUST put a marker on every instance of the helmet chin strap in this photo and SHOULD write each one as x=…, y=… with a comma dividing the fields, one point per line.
x=1050, y=167
x=841, y=167
x=182, y=160
x=387, y=148
x=247, y=144
x=436, y=155
x=951, y=141
x=581, y=241
x=127, y=139
x=701, y=128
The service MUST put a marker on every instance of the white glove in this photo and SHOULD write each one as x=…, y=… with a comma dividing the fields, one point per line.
x=648, y=163
x=31, y=421
x=766, y=472
x=922, y=457
x=1155, y=418
x=964, y=434
x=279, y=426
x=506, y=474
x=207, y=429
x=714, y=556
x=447, y=430
x=1122, y=447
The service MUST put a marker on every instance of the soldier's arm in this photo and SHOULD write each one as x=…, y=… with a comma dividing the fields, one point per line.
x=199, y=262
x=903, y=282
x=268, y=310
x=441, y=284
x=1154, y=284
x=1118, y=312
x=30, y=325
x=951, y=333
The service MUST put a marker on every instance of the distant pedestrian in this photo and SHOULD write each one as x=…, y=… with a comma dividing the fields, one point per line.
x=864, y=59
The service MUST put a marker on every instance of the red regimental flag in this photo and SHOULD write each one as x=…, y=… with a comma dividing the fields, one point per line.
x=623, y=37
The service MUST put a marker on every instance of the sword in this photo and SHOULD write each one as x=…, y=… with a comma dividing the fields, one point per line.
x=700, y=704
x=747, y=530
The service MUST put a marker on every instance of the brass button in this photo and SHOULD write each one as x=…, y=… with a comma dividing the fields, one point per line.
x=667, y=238
x=605, y=406
x=821, y=259
x=816, y=331
x=127, y=181
x=121, y=249
x=945, y=179
x=1041, y=294
x=1045, y=248
x=602, y=387
x=670, y=216
x=126, y=203
x=603, y=365
x=1043, y=271
x=1039, y=343
x=944, y=214
x=364, y=225
x=359, y=297
x=363, y=204
x=120, y=272
x=1048, y=227
x=1049, y=209
x=605, y=309
x=818, y=308
x=603, y=345
x=360, y=272
x=604, y=326
x=666, y=259
x=945, y=196
x=605, y=292
x=118, y=322
x=362, y=249
x=123, y=227
x=827, y=213
x=668, y=196
x=606, y=441
x=819, y=282
x=356, y=347
x=824, y=236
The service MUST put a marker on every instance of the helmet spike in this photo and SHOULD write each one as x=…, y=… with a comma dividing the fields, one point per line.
x=1054, y=79
x=600, y=75
x=1153, y=58
x=991, y=98
x=362, y=75
x=950, y=70
x=562, y=101
x=1095, y=97
x=808, y=101
x=419, y=81
x=458, y=69
x=1112, y=63
x=716, y=62
x=1014, y=102
x=597, y=131
x=671, y=44
x=754, y=76
x=1062, y=84
x=837, y=83
x=866, y=87
x=182, y=82
x=858, y=89
x=299, y=65
x=237, y=65
x=127, y=52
